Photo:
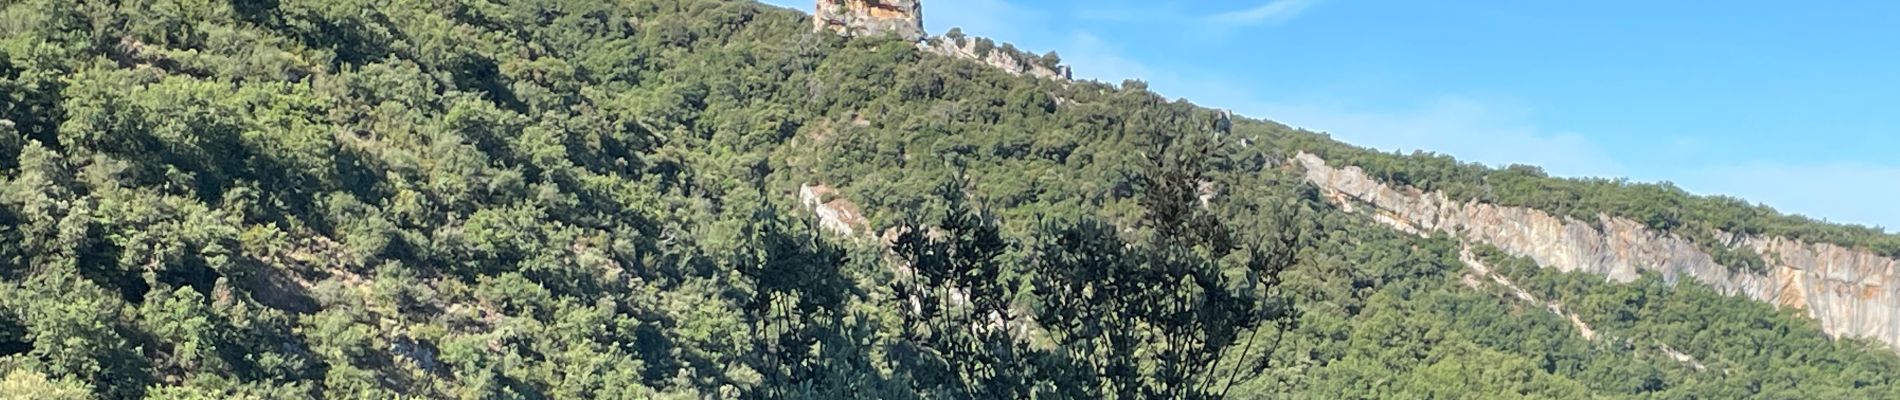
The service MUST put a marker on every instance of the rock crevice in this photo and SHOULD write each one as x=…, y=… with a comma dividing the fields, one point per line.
x=1010, y=62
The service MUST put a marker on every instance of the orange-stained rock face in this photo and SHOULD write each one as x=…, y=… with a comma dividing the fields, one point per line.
x=1851, y=293
x=904, y=18
x=880, y=10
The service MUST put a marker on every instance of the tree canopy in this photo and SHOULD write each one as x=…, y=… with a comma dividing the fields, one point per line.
x=582, y=199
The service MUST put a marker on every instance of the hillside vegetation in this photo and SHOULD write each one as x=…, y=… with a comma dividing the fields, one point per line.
x=529, y=199
x=1715, y=223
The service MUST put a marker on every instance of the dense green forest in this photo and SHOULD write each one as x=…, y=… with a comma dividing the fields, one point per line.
x=597, y=199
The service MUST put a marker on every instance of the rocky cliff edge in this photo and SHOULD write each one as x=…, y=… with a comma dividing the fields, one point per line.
x=904, y=18
x=1851, y=293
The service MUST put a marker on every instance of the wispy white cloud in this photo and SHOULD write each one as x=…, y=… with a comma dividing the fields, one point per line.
x=1273, y=12
x=1097, y=59
x=1126, y=11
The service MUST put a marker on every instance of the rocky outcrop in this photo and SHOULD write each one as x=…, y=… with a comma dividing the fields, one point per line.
x=904, y=18
x=835, y=214
x=1851, y=293
x=1012, y=62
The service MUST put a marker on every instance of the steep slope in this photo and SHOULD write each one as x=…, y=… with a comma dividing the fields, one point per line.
x=901, y=18
x=1851, y=293
x=585, y=199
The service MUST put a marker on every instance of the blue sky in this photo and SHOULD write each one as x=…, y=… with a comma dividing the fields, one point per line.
x=1791, y=104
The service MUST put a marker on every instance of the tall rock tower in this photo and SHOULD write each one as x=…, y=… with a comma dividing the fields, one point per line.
x=904, y=18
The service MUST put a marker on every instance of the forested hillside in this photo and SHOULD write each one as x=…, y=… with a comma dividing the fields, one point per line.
x=480, y=199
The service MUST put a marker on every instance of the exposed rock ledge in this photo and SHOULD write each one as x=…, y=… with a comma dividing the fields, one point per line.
x=999, y=58
x=1851, y=293
x=834, y=214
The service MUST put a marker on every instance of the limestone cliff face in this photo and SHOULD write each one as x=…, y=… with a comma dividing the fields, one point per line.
x=1003, y=60
x=904, y=18
x=1851, y=293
